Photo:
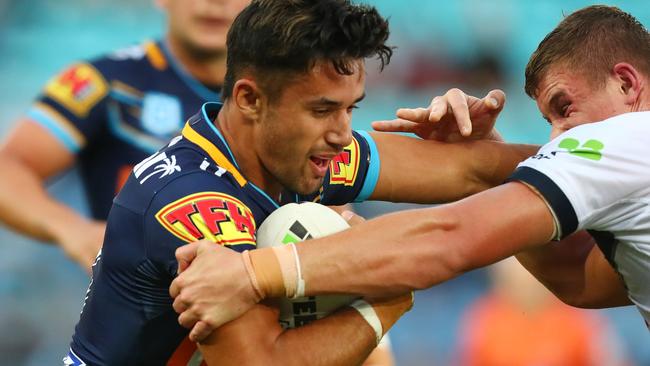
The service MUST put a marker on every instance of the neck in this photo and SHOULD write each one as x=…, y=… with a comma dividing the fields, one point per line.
x=239, y=134
x=208, y=68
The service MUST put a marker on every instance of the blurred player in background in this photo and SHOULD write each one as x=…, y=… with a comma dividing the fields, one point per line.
x=590, y=78
x=106, y=115
x=519, y=322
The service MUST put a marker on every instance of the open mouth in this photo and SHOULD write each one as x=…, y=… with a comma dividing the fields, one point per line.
x=320, y=164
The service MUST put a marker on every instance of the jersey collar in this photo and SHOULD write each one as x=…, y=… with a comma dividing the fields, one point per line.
x=201, y=131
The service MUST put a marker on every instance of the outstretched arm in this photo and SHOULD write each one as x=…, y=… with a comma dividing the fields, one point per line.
x=391, y=254
x=30, y=155
x=417, y=249
x=425, y=171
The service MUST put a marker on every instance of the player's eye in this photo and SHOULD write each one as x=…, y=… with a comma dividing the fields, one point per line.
x=321, y=112
x=352, y=107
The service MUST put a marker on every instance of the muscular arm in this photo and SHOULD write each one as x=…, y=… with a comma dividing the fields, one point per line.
x=417, y=249
x=30, y=155
x=426, y=171
x=576, y=271
x=256, y=338
x=388, y=255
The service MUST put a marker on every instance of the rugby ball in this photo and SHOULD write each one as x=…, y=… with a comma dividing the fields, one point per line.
x=293, y=223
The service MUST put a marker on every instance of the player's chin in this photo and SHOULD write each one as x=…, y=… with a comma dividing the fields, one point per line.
x=309, y=185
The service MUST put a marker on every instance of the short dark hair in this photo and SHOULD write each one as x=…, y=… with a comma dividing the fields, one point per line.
x=274, y=39
x=591, y=41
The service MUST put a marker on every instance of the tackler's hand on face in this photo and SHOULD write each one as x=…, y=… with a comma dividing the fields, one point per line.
x=454, y=116
x=211, y=291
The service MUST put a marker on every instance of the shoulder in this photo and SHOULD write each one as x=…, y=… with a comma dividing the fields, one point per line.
x=173, y=172
x=131, y=60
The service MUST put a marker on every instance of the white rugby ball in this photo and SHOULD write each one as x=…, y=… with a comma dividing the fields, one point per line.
x=293, y=223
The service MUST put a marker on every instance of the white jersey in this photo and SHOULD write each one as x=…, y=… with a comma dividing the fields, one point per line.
x=596, y=177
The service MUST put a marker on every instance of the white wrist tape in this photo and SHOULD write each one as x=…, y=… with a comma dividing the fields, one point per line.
x=368, y=313
x=300, y=282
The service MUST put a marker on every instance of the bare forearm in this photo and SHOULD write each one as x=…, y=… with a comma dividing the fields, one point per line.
x=420, y=171
x=343, y=338
x=420, y=248
x=576, y=271
x=26, y=207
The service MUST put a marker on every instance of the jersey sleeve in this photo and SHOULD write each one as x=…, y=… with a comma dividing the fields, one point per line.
x=193, y=208
x=71, y=105
x=353, y=173
x=585, y=172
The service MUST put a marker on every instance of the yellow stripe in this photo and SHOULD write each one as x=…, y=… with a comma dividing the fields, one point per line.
x=63, y=122
x=214, y=153
x=155, y=56
x=127, y=89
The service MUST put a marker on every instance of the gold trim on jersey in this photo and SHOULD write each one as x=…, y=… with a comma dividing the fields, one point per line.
x=62, y=122
x=155, y=55
x=214, y=153
x=126, y=89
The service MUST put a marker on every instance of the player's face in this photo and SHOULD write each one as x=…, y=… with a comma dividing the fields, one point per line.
x=300, y=132
x=202, y=25
x=567, y=99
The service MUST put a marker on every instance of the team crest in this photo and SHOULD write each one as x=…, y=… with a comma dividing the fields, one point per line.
x=161, y=114
x=218, y=217
x=79, y=88
x=345, y=166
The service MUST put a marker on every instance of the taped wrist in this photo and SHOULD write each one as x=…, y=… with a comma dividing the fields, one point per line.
x=368, y=313
x=275, y=272
x=381, y=314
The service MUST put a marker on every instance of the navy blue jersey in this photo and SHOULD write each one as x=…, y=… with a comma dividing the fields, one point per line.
x=116, y=110
x=191, y=189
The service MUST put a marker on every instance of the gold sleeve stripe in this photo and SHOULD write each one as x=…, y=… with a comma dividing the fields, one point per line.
x=214, y=153
x=62, y=122
x=155, y=55
x=126, y=89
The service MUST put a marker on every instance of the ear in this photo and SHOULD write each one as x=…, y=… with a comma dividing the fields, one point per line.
x=630, y=80
x=247, y=97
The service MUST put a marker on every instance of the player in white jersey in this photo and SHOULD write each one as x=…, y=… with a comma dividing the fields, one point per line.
x=590, y=78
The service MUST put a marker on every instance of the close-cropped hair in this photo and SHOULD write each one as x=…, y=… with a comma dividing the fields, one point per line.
x=277, y=39
x=591, y=41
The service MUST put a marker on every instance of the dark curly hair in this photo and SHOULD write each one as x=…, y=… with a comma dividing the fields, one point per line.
x=591, y=41
x=274, y=39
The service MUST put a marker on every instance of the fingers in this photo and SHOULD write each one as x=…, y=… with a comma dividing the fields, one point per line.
x=457, y=101
x=179, y=305
x=413, y=114
x=352, y=218
x=200, y=331
x=395, y=125
x=186, y=254
x=495, y=99
x=438, y=108
x=188, y=319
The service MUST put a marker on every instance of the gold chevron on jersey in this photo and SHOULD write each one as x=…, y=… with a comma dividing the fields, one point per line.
x=78, y=88
x=215, y=216
x=214, y=153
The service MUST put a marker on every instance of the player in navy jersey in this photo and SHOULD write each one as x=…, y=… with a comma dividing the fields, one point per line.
x=107, y=114
x=295, y=73
x=576, y=214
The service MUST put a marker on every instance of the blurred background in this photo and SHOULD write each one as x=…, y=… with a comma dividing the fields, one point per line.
x=471, y=44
